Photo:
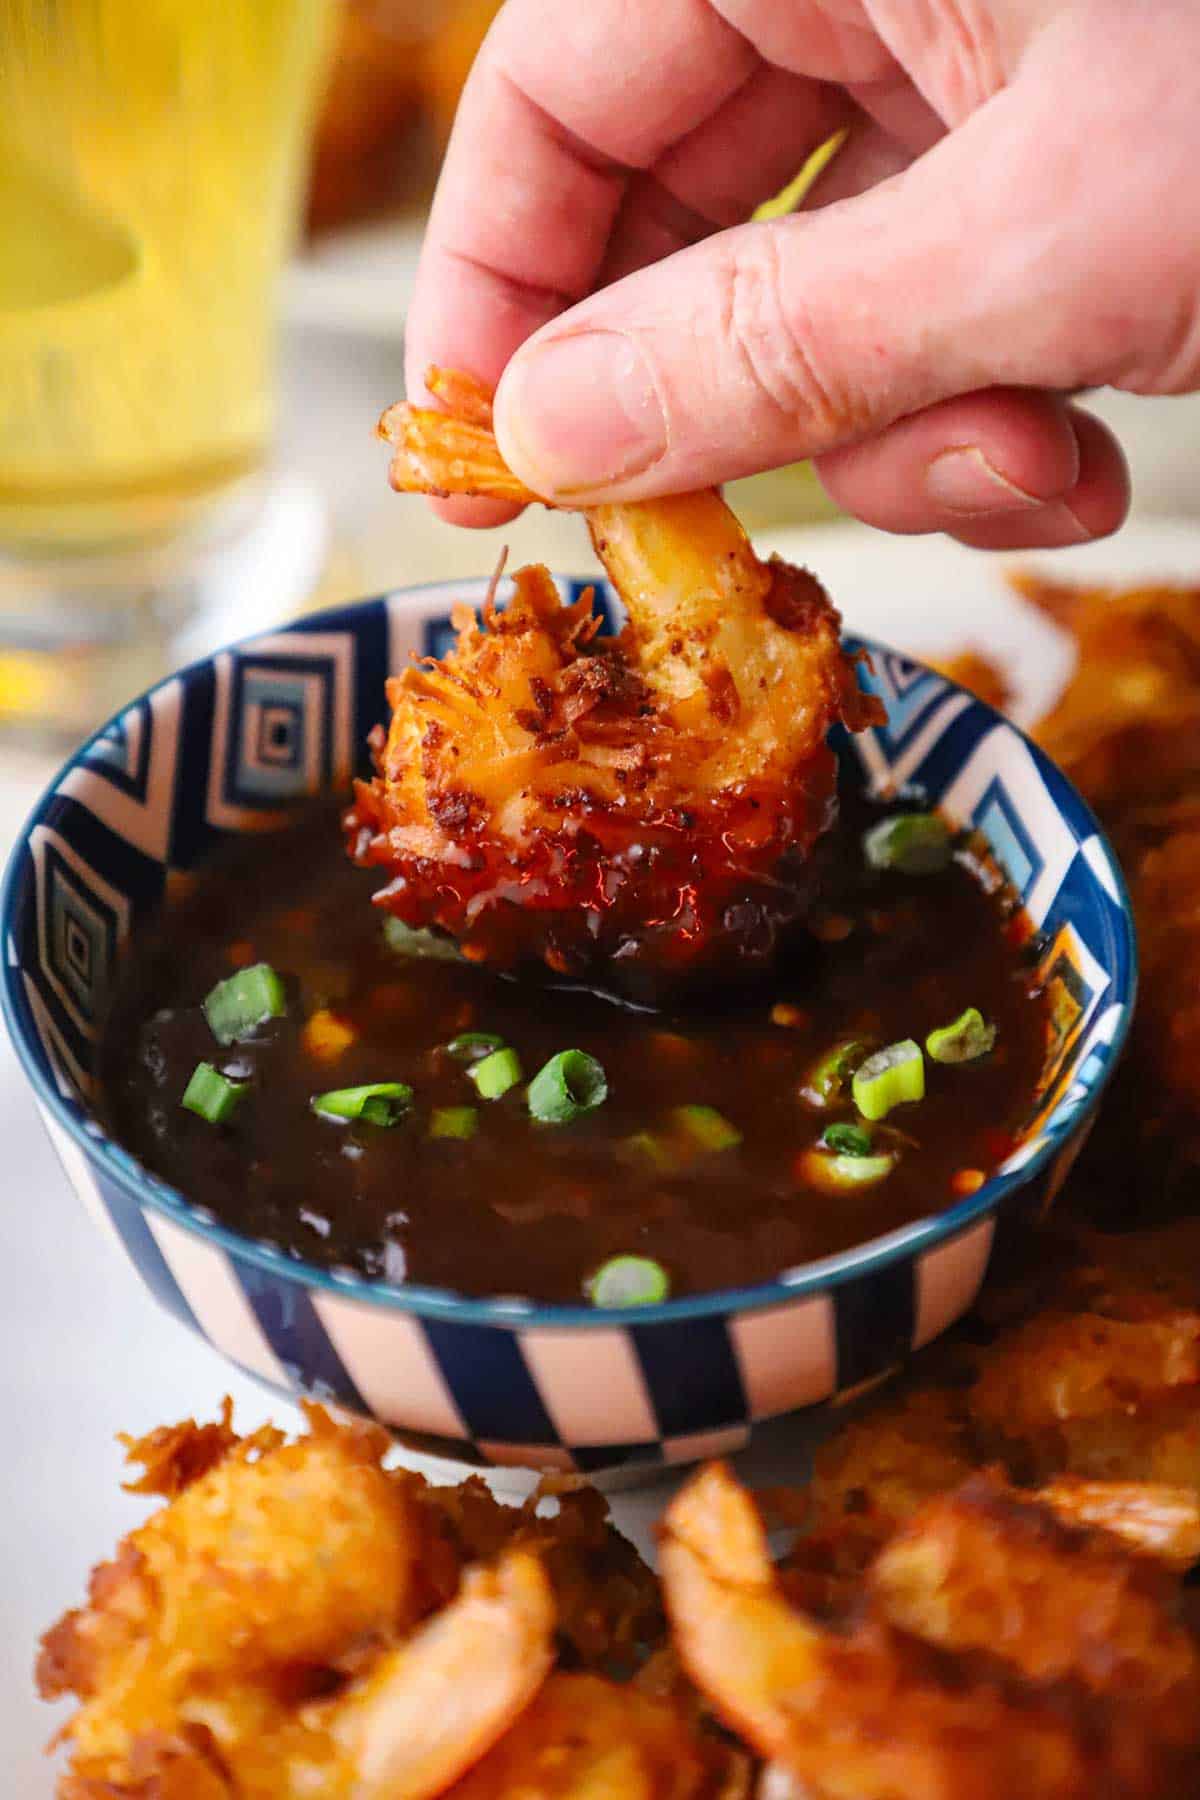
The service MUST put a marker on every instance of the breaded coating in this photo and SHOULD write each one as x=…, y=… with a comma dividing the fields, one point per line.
x=1059, y=1368
x=589, y=1739
x=876, y=1471
x=645, y=801
x=986, y=1570
x=607, y=1602
x=860, y=1714
x=1166, y=899
x=298, y=1620
x=868, y=1479
x=1096, y=1408
x=270, y=1563
x=173, y=1456
x=1127, y=726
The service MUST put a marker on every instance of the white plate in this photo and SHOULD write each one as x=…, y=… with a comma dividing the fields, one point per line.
x=84, y=1353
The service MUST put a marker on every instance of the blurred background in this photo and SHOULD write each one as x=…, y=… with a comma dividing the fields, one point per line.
x=210, y=219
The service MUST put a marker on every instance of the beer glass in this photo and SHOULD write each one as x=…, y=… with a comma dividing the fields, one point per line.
x=152, y=159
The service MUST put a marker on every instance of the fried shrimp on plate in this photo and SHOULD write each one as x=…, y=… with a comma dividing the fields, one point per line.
x=646, y=802
x=993, y=1651
x=301, y=1622
x=274, y=1633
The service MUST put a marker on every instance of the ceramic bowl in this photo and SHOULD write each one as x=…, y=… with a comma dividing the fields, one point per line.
x=228, y=746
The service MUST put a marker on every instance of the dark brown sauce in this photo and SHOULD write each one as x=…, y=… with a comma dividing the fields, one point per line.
x=533, y=1209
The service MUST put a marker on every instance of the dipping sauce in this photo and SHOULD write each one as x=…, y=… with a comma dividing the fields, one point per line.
x=706, y=1155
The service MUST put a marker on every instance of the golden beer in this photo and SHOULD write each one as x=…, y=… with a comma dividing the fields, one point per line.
x=152, y=156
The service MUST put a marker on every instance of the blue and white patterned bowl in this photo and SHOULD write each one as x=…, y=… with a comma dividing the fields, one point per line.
x=228, y=746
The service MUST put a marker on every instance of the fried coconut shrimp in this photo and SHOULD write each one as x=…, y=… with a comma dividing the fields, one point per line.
x=644, y=802
x=986, y=1569
x=958, y=1672
x=1092, y=1404
x=874, y=1478
x=584, y=1738
x=1125, y=728
x=299, y=1621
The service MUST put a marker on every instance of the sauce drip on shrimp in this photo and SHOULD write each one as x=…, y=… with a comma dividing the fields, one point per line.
x=625, y=808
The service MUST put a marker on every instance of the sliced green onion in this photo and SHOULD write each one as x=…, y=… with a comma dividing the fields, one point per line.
x=828, y=1081
x=453, y=1122
x=834, y=1172
x=469, y=1046
x=847, y=1140
x=628, y=1281
x=211, y=1095
x=570, y=1084
x=407, y=940
x=247, y=998
x=378, y=1103
x=889, y=1078
x=913, y=843
x=966, y=1038
x=648, y=1146
x=707, y=1128
x=496, y=1074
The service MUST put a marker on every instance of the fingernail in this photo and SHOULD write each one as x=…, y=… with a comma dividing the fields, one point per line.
x=580, y=413
x=1075, y=531
x=964, y=481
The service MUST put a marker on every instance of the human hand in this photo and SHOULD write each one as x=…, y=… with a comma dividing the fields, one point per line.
x=1014, y=217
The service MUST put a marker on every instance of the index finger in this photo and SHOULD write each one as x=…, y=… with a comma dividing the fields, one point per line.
x=563, y=103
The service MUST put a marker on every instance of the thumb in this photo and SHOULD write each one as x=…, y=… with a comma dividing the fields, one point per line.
x=783, y=340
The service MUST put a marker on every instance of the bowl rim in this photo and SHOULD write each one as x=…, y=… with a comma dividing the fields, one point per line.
x=805, y=1281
